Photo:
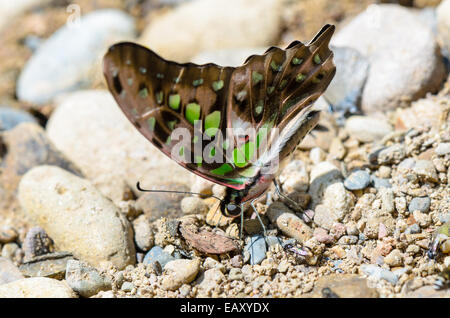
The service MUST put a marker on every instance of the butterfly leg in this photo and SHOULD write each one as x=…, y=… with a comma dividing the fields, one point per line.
x=259, y=218
x=281, y=194
x=241, y=236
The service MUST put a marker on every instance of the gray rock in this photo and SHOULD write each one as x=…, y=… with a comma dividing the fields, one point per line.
x=345, y=91
x=65, y=62
x=36, y=243
x=388, y=155
x=157, y=254
x=421, y=204
x=8, y=234
x=143, y=234
x=348, y=240
x=8, y=271
x=85, y=280
x=77, y=216
x=127, y=287
x=10, y=118
x=357, y=180
x=380, y=182
x=425, y=170
x=398, y=70
x=379, y=273
x=289, y=223
x=193, y=205
x=257, y=249
x=51, y=265
x=179, y=272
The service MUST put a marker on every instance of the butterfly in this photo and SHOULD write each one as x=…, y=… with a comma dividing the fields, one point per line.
x=234, y=126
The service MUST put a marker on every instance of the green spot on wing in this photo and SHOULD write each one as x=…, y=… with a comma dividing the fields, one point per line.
x=317, y=59
x=223, y=169
x=151, y=123
x=259, y=107
x=159, y=75
x=248, y=149
x=197, y=82
x=174, y=101
x=297, y=61
x=171, y=124
x=159, y=97
x=130, y=81
x=192, y=112
x=275, y=67
x=270, y=89
x=300, y=77
x=249, y=172
x=283, y=84
x=256, y=77
x=217, y=85
x=143, y=93
x=212, y=122
x=239, y=158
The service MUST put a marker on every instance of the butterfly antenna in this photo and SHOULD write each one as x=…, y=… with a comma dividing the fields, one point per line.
x=138, y=186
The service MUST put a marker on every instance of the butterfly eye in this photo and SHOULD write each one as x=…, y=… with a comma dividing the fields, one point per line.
x=233, y=209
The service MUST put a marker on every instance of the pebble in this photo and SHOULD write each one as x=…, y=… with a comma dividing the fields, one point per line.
x=77, y=216
x=388, y=155
x=443, y=26
x=179, y=272
x=317, y=155
x=443, y=149
x=380, y=182
x=379, y=273
x=202, y=186
x=413, y=229
x=127, y=287
x=94, y=117
x=257, y=249
x=28, y=147
x=337, y=149
x=48, y=72
x=339, y=200
x=394, y=258
x=322, y=236
x=398, y=71
x=11, y=251
x=157, y=254
x=193, y=205
x=10, y=118
x=294, y=177
x=36, y=243
x=367, y=129
x=421, y=204
x=85, y=280
x=8, y=271
x=235, y=274
x=209, y=281
x=357, y=180
x=345, y=91
x=322, y=175
x=143, y=234
x=7, y=234
x=426, y=170
x=36, y=287
x=290, y=224
x=348, y=240
x=175, y=37
x=52, y=265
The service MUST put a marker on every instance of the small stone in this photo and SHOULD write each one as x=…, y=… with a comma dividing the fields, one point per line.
x=443, y=149
x=424, y=113
x=7, y=234
x=322, y=236
x=127, y=287
x=290, y=224
x=257, y=249
x=344, y=285
x=379, y=273
x=10, y=118
x=348, y=240
x=179, y=272
x=202, y=186
x=36, y=287
x=413, y=229
x=85, y=280
x=394, y=258
x=235, y=274
x=421, y=204
x=143, y=234
x=337, y=149
x=36, y=243
x=357, y=180
x=367, y=129
x=351, y=228
x=426, y=170
x=380, y=183
x=8, y=271
x=216, y=218
x=337, y=230
x=157, y=254
x=294, y=177
x=388, y=155
x=10, y=251
x=193, y=205
x=236, y=261
x=317, y=155
x=283, y=266
x=51, y=265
